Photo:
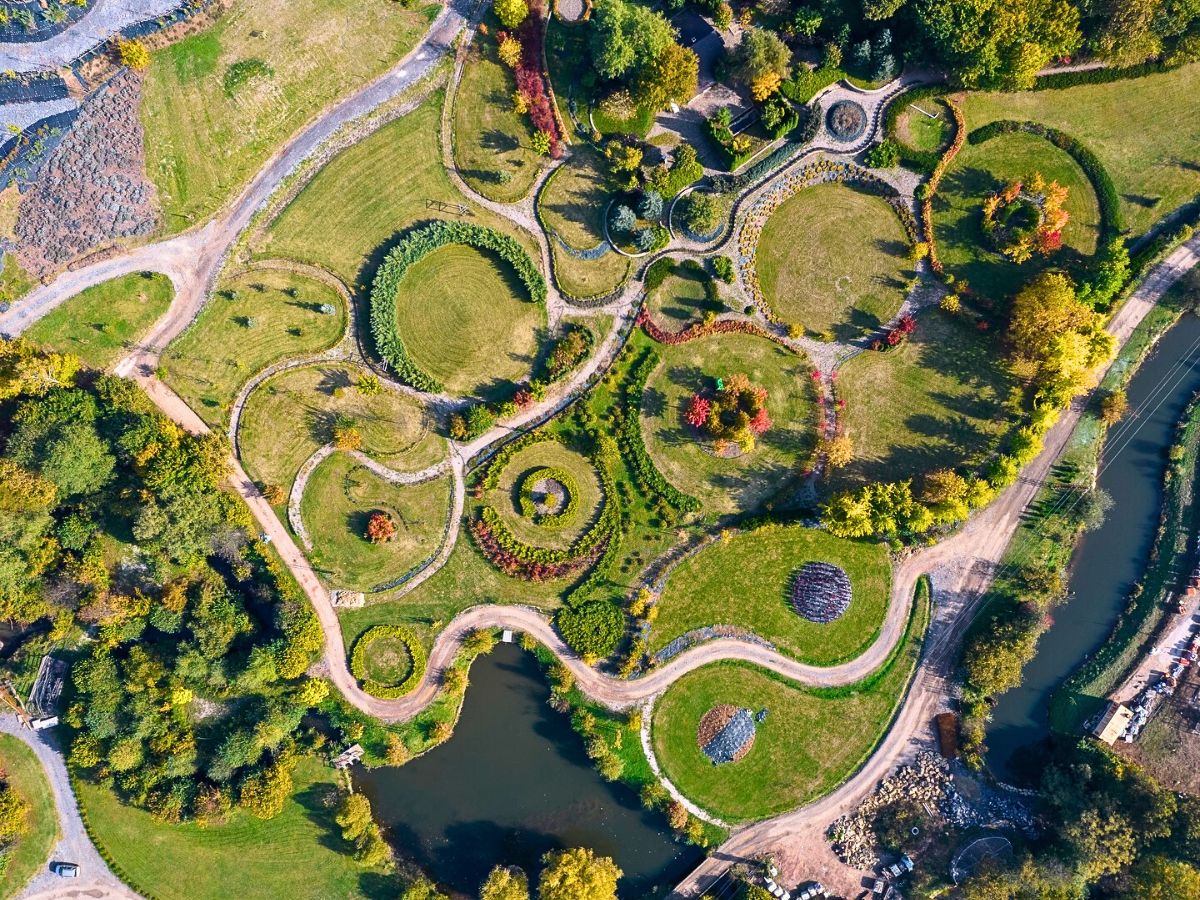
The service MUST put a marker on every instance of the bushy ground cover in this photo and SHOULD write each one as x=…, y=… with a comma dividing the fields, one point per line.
x=737, y=483
x=1145, y=131
x=572, y=205
x=491, y=141
x=289, y=416
x=983, y=169
x=103, y=323
x=505, y=499
x=340, y=498
x=357, y=206
x=219, y=103
x=747, y=582
x=22, y=772
x=255, y=319
x=834, y=260
x=810, y=742
x=299, y=853
x=943, y=398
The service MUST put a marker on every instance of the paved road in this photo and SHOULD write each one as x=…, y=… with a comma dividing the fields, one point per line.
x=105, y=19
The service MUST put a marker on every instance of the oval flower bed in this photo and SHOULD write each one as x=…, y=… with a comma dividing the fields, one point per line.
x=358, y=661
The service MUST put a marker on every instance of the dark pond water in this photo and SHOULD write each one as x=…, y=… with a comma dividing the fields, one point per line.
x=512, y=783
x=1110, y=559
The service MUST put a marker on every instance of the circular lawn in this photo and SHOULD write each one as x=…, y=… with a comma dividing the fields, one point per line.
x=681, y=301
x=727, y=484
x=387, y=660
x=465, y=319
x=748, y=583
x=834, y=260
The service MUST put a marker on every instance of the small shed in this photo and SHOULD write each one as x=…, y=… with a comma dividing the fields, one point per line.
x=1113, y=723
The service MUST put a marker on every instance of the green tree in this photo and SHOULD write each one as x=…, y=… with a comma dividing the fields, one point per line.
x=578, y=874
x=1157, y=877
x=877, y=10
x=505, y=883
x=761, y=52
x=626, y=37
x=671, y=77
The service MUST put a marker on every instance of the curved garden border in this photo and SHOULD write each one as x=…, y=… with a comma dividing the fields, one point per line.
x=529, y=507
x=414, y=247
x=415, y=651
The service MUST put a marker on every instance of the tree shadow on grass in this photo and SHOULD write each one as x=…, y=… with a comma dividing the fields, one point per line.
x=496, y=141
x=319, y=802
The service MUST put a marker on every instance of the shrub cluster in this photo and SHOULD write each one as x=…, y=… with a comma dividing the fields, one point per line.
x=415, y=246
x=592, y=629
x=728, y=184
x=415, y=651
x=569, y=351
x=735, y=149
x=532, y=84
x=685, y=169
x=529, y=507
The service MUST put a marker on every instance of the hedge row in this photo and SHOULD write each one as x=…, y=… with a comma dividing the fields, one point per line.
x=529, y=508
x=1111, y=223
x=923, y=161
x=1099, y=76
x=415, y=650
x=935, y=179
x=415, y=246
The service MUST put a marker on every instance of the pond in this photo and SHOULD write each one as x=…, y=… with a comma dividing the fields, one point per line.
x=512, y=783
x=1110, y=559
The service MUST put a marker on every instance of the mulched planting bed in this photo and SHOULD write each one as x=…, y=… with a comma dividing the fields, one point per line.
x=846, y=121
x=821, y=592
x=726, y=733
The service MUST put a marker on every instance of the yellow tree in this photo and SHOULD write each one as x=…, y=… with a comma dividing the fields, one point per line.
x=505, y=883
x=578, y=874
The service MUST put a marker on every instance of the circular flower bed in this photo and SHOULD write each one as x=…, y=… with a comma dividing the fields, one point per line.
x=726, y=733
x=733, y=415
x=380, y=647
x=821, y=592
x=549, y=495
x=846, y=121
x=1026, y=217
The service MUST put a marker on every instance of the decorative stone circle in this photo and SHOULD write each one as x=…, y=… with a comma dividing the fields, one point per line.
x=821, y=592
x=549, y=496
x=726, y=733
x=846, y=121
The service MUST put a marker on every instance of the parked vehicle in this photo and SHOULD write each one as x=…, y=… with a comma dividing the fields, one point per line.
x=65, y=869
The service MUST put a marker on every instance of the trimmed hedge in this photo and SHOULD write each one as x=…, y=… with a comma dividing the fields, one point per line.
x=1112, y=223
x=594, y=628
x=529, y=508
x=415, y=246
x=1099, y=76
x=358, y=663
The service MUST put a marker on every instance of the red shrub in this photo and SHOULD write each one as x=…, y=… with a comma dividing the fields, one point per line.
x=697, y=411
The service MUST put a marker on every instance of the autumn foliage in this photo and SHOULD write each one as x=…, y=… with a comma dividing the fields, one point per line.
x=380, y=528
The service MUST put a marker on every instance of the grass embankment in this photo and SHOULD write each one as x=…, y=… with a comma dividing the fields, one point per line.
x=834, y=260
x=298, y=854
x=1145, y=130
x=103, y=323
x=22, y=771
x=811, y=741
x=217, y=104
x=255, y=319
x=943, y=398
x=747, y=582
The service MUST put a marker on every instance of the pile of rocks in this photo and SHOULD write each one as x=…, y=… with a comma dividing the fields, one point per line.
x=926, y=781
x=92, y=190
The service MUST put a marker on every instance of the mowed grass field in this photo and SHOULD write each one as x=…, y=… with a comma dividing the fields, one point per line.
x=209, y=127
x=298, y=854
x=982, y=169
x=468, y=321
x=103, y=323
x=747, y=582
x=726, y=485
x=925, y=132
x=680, y=301
x=504, y=497
x=272, y=316
x=811, y=741
x=292, y=414
x=943, y=398
x=355, y=208
x=572, y=205
x=340, y=497
x=491, y=141
x=20, y=769
x=834, y=260
x=1146, y=131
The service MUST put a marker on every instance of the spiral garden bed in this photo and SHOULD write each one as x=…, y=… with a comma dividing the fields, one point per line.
x=388, y=661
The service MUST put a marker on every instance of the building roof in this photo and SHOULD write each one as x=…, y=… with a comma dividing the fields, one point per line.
x=1113, y=723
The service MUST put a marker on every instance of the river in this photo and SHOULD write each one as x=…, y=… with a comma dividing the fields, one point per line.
x=512, y=783
x=1109, y=560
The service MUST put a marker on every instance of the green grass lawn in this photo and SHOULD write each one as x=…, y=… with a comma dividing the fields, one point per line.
x=504, y=497
x=811, y=741
x=834, y=260
x=233, y=339
x=299, y=854
x=680, y=301
x=491, y=141
x=387, y=660
x=943, y=398
x=572, y=205
x=289, y=416
x=982, y=169
x=348, y=216
x=727, y=485
x=206, y=134
x=341, y=495
x=467, y=320
x=1146, y=131
x=925, y=132
x=747, y=583
x=20, y=769
x=15, y=282
x=101, y=324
